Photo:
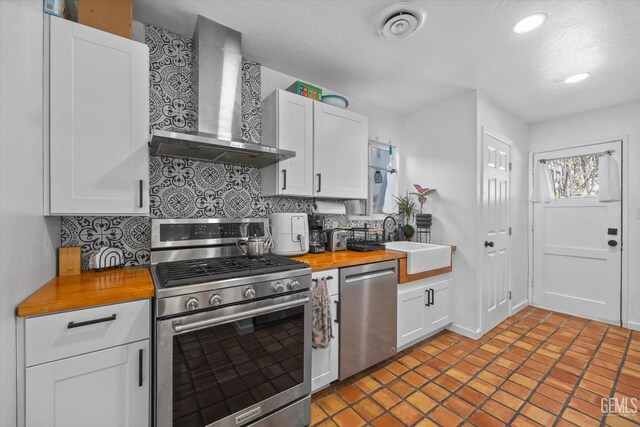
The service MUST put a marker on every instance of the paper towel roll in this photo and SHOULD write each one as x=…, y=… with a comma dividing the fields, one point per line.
x=330, y=208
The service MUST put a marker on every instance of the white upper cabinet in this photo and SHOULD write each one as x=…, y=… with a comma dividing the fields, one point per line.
x=98, y=122
x=288, y=125
x=330, y=145
x=339, y=153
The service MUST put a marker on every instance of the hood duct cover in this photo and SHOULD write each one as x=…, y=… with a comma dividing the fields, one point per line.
x=218, y=84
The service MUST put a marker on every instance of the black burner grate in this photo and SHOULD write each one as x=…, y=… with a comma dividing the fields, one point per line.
x=180, y=273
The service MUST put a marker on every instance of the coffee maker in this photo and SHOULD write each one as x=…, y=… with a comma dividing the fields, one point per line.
x=317, y=236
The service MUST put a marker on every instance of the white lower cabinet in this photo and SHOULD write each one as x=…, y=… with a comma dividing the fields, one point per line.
x=107, y=386
x=104, y=388
x=325, y=361
x=424, y=306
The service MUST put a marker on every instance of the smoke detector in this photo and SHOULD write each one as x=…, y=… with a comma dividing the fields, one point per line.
x=400, y=20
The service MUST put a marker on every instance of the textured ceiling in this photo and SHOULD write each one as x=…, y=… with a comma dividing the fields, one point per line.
x=463, y=45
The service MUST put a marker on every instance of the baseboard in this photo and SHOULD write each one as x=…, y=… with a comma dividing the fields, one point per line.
x=465, y=332
x=417, y=340
x=516, y=308
x=633, y=325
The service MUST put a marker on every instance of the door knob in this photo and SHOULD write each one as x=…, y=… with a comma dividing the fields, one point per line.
x=488, y=244
x=612, y=243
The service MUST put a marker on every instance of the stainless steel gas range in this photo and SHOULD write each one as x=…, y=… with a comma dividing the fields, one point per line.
x=233, y=334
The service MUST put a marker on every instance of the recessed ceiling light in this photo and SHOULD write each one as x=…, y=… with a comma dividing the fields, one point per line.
x=529, y=23
x=577, y=78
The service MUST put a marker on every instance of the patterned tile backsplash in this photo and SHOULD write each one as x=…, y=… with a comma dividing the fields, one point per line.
x=131, y=234
x=184, y=188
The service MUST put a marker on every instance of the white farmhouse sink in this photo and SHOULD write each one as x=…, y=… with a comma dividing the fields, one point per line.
x=422, y=256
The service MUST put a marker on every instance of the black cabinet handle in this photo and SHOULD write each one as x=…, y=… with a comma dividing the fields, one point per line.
x=140, y=366
x=433, y=296
x=612, y=243
x=319, y=182
x=284, y=179
x=326, y=278
x=337, y=320
x=428, y=297
x=72, y=325
x=141, y=184
x=488, y=244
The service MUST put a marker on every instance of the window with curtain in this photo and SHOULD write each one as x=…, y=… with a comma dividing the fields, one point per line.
x=575, y=177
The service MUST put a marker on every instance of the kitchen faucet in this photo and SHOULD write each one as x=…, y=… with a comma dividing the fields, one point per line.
x=384, y=228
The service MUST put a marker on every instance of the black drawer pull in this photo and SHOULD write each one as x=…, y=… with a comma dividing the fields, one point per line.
x=337, y=319
x=72, y=325
x=319, y=182
x=140, y=366
x=141, y=196
x=284, y=179
x=326, y=278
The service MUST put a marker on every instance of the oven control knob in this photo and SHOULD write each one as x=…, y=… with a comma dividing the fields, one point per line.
x=294, y=284
x=192, y=303
x=277, y=287
x=215, y=299
x=249, y=293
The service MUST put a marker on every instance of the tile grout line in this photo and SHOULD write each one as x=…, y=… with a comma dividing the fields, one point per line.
x=581, y=377
x=531, y=353
x=617, y=379
x=475, y=375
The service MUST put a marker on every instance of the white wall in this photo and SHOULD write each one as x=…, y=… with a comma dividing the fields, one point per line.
x=602, y=125
x=439, y=151
x=27, y=254
x=505, y=124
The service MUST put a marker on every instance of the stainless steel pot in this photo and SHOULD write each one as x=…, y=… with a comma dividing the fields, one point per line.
x=256, y=247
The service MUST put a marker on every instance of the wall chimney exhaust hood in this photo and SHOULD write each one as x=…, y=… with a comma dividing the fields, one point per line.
x=217, y=75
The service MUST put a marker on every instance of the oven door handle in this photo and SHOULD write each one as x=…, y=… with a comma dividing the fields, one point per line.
x=180, y=327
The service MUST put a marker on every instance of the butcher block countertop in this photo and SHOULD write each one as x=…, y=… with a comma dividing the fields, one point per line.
x=340, y=259
x=89, y=289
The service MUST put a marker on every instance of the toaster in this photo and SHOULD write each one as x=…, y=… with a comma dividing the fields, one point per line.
x=337, y=239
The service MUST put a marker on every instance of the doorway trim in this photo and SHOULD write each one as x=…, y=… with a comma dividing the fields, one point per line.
x=624, y=179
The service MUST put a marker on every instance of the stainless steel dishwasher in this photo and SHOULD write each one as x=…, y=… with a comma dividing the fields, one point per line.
x=368, y=315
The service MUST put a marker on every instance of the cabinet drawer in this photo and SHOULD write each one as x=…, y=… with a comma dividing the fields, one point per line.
x=72, y=333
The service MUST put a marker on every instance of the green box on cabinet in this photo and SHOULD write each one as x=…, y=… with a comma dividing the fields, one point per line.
x=306, y=90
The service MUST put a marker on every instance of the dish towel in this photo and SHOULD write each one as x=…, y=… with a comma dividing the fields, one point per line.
x=389, y=206
x=609, y=179
x=321, y=323
x=543, y=189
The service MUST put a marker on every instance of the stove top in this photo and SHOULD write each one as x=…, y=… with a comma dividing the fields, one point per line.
x=190, y=272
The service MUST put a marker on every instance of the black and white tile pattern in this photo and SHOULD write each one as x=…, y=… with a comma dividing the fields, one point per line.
x=184, y=188
x=131, y=234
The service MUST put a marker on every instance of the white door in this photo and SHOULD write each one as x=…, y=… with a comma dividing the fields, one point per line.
x=496, y=199
x=412, y=312
x=576, y=239
x=295, y=132
x=439, y=310
x=99, y=121
x=339, y=152
x=325, y=361
x=107, y=388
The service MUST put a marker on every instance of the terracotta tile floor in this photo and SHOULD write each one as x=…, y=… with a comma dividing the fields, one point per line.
x=535, y=368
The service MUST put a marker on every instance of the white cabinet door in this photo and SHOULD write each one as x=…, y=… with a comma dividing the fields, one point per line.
x=107, y=388
x=325, y=361
x=98, y=122
x=339, y=152
x=411, y=315
x=439, y=312
x=288, y=125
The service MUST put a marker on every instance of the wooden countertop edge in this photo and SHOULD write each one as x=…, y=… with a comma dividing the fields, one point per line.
x=64, y=293
x=80, y=303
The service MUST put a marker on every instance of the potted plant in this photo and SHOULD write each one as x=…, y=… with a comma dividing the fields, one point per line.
x=422, y=194
x=406, y=208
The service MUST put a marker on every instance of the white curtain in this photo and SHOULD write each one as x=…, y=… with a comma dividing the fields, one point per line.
x=389, y=206
x=609, y=179
x=543, y=189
